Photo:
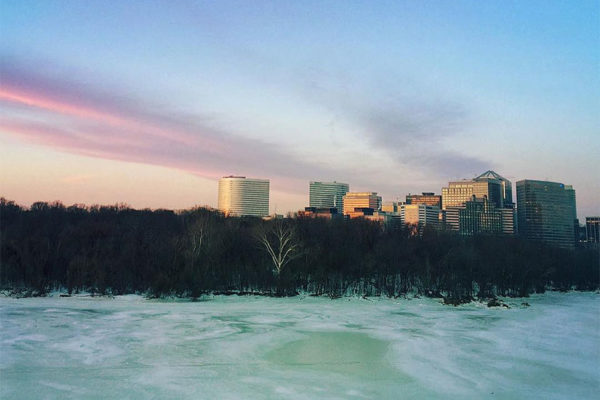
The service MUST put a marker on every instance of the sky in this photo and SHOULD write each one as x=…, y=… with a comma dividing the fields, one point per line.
x=149, y=103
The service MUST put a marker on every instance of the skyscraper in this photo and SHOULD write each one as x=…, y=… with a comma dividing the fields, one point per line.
x=546, y=211
x=243, y=196
x=327, y=194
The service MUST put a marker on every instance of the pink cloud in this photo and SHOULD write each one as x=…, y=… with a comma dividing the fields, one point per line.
x=46, y=102
x=68, y=116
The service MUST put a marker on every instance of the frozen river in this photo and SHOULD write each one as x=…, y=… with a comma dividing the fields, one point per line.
x=299, y=348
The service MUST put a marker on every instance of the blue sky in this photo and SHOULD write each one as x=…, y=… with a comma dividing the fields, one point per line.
x=394, y=97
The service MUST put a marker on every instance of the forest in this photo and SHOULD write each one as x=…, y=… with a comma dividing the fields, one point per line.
x=190, y=253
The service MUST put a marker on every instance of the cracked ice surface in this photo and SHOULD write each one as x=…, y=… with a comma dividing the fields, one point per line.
x=299, y=348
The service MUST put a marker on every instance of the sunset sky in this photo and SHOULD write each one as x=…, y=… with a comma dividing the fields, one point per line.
x=149, y=103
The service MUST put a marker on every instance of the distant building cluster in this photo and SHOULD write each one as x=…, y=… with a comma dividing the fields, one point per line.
x=544, y=211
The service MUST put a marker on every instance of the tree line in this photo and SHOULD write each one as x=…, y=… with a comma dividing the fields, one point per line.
x=119, y=250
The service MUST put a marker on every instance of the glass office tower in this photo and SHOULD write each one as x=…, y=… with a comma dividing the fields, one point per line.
x=546, y=211
x=327, y=195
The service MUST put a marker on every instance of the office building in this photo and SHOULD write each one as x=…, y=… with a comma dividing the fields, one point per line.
x=592, y=229
x=241, y=196
x=495, y=188
x=427, y=198
x=327, y=194
x=546, y=211
x=509, y=218
x=476, y=216
x=390, y=207
x=451, y=218
x=456, y=193
x=361, y=200
x=420, y=215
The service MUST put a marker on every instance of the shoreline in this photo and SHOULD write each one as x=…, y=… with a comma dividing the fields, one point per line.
x=500, y=302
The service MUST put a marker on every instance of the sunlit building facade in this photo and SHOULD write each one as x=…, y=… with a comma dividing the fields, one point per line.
x=367, y=213
x=546, y=211
x=490, y=185
x=361, y=200
x=314, y=212
x=241, y=196
x=428, y=198
x=420, y=215
x=456, y=193
x=390, y=207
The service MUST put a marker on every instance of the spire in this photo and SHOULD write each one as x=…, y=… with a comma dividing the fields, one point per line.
x=491, y=174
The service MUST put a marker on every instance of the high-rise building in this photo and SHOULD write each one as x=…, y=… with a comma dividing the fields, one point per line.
x=362, y=200
x=495, y=188
x=327, y=194
x=592, y=229
x=477, y=216
x=243, y=196
x=428, y=198
x=546, y=211
x=420, y=215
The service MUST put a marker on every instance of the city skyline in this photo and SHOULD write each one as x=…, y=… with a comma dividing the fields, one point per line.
x=101, y=103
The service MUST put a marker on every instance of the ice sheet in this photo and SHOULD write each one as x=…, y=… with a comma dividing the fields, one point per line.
x=299, y=348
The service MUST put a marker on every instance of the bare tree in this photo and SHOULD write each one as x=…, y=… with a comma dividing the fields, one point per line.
x=197, y=235
x=193, y=246
x=280, y=242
